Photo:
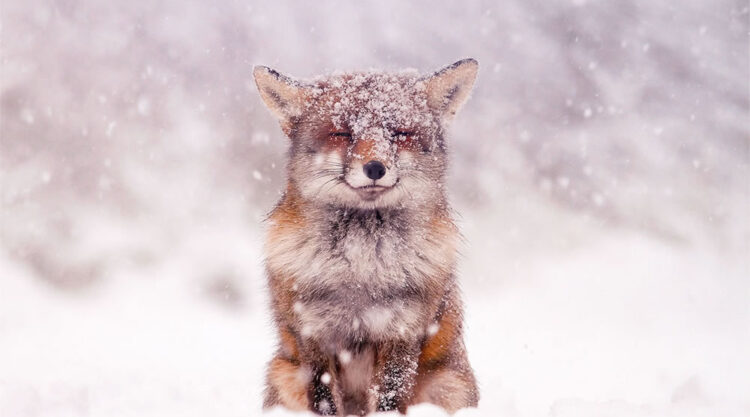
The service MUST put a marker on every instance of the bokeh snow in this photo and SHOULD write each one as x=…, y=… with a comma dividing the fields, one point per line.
x=601, y=171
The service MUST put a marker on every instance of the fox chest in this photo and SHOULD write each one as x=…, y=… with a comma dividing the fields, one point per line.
x=360, y=284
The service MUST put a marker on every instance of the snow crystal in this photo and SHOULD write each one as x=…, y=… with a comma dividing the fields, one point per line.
x=324, y=407
x=110, y=128
x=144, y=106
x=303, y=375
x=27, y=116
x=260, y=138
x=377, y=319
x=325, y=378
x=345, y=357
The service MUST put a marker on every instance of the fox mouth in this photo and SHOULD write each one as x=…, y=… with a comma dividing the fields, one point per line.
x=371, y=192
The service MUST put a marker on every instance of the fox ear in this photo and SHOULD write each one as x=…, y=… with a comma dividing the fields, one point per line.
x=284, y=96
x=449, y=88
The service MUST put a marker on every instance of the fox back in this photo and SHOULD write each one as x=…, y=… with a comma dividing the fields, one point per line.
x=361, y=249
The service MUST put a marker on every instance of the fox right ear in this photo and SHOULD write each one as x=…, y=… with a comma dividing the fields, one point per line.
x=282, y=95
x=449, y=88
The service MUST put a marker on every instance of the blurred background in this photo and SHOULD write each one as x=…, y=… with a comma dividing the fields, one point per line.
x=600, y=172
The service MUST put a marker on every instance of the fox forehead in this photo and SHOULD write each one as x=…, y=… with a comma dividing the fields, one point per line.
x=371, y=104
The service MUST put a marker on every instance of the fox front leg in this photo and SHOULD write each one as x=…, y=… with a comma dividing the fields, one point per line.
x=320, y=394
x=395, y=375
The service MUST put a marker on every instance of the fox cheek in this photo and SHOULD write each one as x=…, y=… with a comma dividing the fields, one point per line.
x=405, y=160
x=327, y=160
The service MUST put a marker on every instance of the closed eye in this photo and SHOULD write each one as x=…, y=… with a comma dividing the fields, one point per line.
x=341, y=134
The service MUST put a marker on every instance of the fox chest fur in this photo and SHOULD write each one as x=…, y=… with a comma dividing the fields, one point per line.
x=346, y=276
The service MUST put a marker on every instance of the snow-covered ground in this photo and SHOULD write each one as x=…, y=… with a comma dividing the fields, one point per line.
x=617, y=324
x=600, y=171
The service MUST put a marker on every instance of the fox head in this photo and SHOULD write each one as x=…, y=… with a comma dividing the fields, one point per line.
x=368, y=140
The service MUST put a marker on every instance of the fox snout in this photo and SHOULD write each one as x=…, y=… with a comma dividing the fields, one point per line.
x=371, y=172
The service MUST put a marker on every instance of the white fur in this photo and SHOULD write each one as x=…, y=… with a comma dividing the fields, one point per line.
x=333, y=181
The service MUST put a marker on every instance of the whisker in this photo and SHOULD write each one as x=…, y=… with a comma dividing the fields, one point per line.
x=333, y=180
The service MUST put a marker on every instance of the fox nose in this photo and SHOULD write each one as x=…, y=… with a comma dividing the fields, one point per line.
x=374, y=170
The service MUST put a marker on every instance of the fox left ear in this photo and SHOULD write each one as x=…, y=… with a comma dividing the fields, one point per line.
x=284, y=96
x=449, y=88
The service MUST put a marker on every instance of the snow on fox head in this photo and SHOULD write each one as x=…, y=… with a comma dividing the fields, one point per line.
x=368, y=140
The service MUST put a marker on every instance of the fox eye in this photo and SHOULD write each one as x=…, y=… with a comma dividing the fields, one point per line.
x=401, y=134
x=341, y=135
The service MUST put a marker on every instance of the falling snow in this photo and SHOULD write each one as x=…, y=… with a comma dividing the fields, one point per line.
x=600, y=172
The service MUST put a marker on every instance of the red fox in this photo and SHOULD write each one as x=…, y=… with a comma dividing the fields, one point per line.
x=361, y=249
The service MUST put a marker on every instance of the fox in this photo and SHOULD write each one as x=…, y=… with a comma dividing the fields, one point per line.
x=361, y=250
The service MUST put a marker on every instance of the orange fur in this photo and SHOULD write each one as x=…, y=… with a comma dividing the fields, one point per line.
x=290, y=383
x=450, y=389
x=439, y=345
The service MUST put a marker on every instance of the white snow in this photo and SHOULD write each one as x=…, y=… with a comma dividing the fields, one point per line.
x=616, y=323
x=600, y=172
x=325, y=378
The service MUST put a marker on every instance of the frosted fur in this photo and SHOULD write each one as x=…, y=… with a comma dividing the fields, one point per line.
x=377, y=108
x=374, y=259
x=361, y=266
x=374, y=104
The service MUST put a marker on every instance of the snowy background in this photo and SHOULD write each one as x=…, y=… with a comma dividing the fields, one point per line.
x=601, y=170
